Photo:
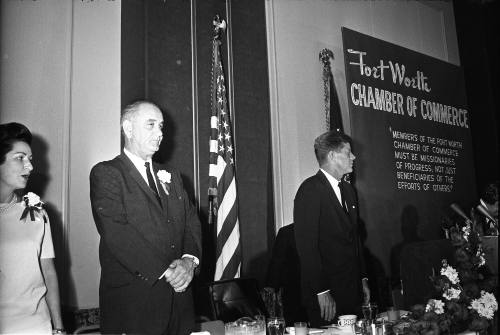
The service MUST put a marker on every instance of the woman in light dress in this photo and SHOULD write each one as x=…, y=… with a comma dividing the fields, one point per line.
x=29, y=291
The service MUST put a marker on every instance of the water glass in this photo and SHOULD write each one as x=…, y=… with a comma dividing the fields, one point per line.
x=275, y=326
x=260, y=322
x=370, y=312
x=392, y=314
x=360, y=327
x=301, y=328
x=246, y=326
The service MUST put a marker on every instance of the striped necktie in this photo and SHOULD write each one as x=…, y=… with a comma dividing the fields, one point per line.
x=151, y=181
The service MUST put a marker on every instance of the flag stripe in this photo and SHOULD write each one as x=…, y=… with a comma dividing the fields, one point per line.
x=213, y=146
x=232, y=269
x=225, y=181
x=226, y=230
x=213, y=122
x=225, y=207
x=230, y=252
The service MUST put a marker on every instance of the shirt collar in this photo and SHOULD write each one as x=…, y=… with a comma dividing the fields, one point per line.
x=136, y=160
x=331, y=179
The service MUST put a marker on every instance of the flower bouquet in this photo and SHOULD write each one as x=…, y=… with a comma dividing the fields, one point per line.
x=464, y=294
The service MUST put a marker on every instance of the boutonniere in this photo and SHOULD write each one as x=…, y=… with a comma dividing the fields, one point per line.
x=33, y=204
x=165, y=179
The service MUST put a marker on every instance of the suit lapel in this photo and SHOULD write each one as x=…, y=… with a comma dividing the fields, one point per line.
x=350, y=201
x=136, y=175
x=334, y=200
x=331, y=192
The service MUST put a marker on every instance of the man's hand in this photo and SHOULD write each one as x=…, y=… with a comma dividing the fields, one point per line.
x=180, y=273
x=327, y=306
x=366, y=290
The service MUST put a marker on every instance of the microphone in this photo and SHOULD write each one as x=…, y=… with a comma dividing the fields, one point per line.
x=485, y=212
x=459, y=211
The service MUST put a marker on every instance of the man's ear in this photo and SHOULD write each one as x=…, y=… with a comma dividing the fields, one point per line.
x=127, y=128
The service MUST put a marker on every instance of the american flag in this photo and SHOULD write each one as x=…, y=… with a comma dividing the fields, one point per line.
x=222, y=180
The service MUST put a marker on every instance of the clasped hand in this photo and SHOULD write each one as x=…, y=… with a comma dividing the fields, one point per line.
x=327, y=306
x=180, y=273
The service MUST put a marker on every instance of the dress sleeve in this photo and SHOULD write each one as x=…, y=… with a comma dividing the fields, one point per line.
x=47, y=249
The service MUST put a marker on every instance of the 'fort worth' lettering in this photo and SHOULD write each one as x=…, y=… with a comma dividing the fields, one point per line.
x=398, y=72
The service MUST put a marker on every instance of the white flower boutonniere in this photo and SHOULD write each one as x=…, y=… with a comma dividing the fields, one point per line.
x=164, y=176
x=165, y=179
x=33, y=204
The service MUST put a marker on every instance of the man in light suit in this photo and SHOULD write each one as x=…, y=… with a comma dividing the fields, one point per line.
x=150, y=234
x=325, y=213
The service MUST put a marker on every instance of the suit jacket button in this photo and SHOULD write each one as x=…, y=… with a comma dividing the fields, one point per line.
x=172, y=246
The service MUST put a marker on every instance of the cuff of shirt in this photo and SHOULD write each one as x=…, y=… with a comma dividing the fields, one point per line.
x=320, y=293
x=195, y=259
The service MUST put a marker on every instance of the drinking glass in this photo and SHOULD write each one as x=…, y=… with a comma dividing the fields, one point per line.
x=360, y=327
x=275, y=326
x=370, y=312
x=392, y=314
x=300, y=328
x=260, y=322
x=245, y=326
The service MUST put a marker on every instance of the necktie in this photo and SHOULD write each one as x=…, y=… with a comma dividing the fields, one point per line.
x=151, y=181
x=342, y=197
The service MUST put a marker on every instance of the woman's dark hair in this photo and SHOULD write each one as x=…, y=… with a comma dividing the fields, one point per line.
x=11, y=133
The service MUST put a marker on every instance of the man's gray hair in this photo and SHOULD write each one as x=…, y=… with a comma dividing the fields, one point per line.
x=130, y=111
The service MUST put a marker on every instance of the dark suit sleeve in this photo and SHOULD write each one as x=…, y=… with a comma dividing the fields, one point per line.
x=276, y=270
x=362, y=262
x=306, y=216
x=125, y=243
x=192, y=231
x=354, y=199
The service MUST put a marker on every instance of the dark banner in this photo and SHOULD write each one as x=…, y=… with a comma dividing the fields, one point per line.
x=411, y=130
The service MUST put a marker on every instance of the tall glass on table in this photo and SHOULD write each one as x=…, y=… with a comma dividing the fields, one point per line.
x=275, y=326
x=370, y=312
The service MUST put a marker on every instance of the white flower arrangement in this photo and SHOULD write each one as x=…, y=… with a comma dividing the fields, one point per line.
x=485, y=306
x=452, y=293
x=480, y=255
x=466, y=231
x=436, y=306
x=451, y=273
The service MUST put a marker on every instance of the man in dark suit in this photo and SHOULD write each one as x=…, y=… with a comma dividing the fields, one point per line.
x=150, y=234
x=326, y=234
